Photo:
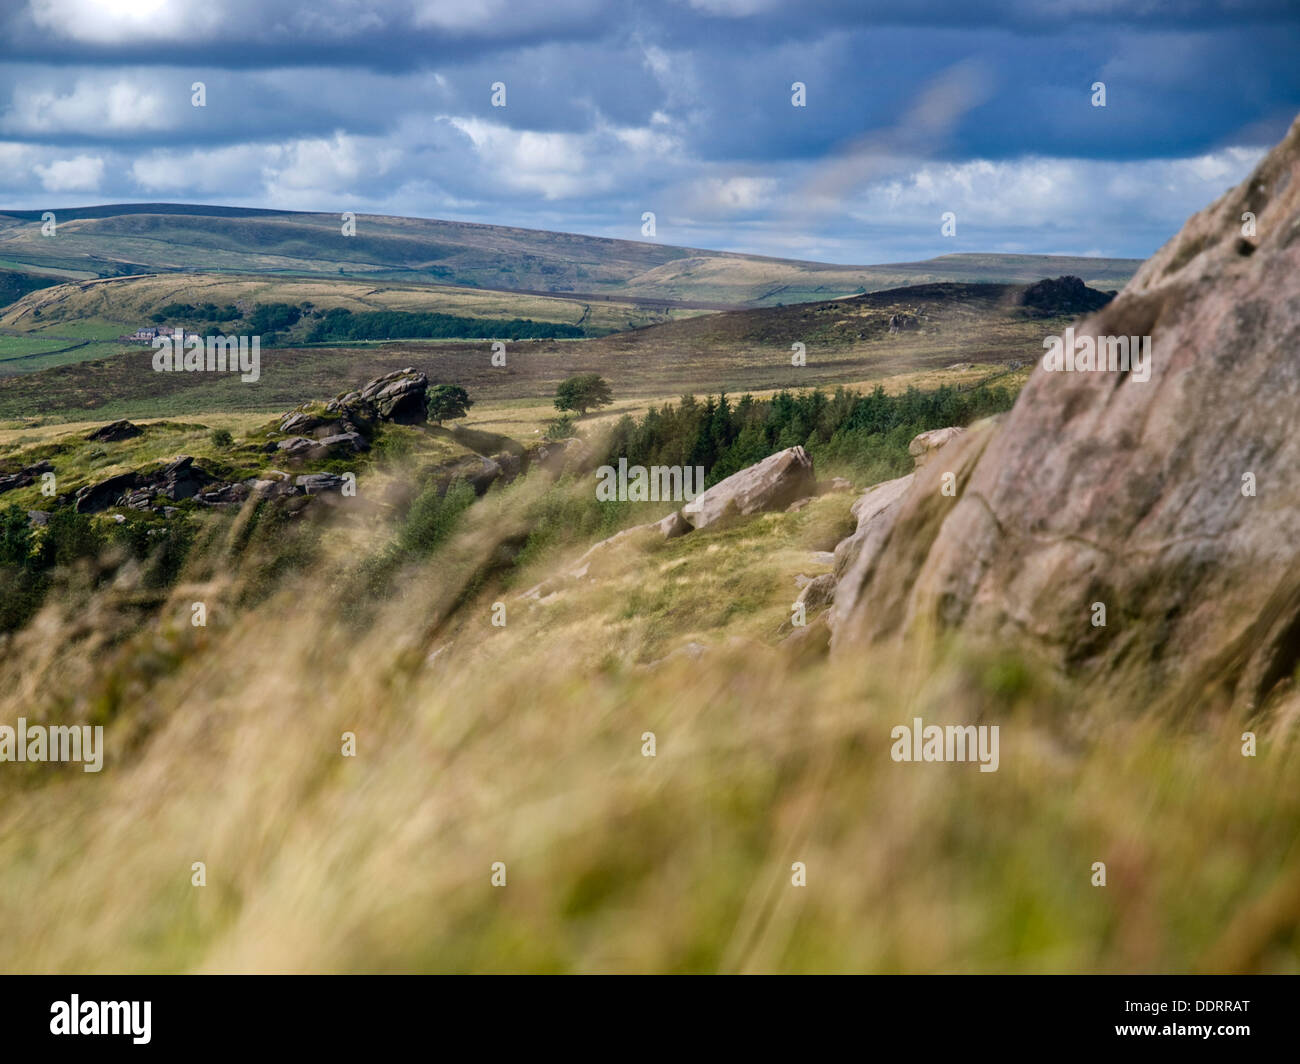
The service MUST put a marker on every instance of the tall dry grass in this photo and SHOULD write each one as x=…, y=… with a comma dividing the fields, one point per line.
x=523, y=745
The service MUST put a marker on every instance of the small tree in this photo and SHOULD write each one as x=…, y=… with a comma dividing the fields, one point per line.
x=583, y=392
x=559, y=428
x=447, y=402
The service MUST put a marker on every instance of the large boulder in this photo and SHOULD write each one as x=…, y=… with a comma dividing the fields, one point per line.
x=772, y=484
x=399, y=396
x=346, y=441
x=924, y=444
x=178, y=479
x=181, y=479
x=1172, y=501
x=1061, y=297
x=115, y=431
x=94, y=498
x=320, y=483
x=10, y=481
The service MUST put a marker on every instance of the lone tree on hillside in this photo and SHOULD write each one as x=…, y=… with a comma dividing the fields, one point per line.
x=583, y=392
x=447, y=402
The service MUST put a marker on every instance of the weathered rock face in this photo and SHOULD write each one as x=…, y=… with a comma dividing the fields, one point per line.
x=182, y=479
x=772, y=484
x=96, y=497
x=1062, y=296
x=179, y=479
x=926, y=443
x=876, y=512
x=320, y=483
x=1100, y=488
x=398, y=396
x=115, y=431
x=9, y=481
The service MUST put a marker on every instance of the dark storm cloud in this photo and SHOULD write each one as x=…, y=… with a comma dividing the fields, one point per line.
x=617, y=105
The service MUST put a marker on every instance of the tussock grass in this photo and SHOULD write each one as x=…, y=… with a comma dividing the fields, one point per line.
x=522, y=744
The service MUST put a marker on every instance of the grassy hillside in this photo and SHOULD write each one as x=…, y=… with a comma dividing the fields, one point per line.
x=149, y=238
x=81, y=320
x=846, y=341
x=524, y=744
x=767, y=282
x=127, y=302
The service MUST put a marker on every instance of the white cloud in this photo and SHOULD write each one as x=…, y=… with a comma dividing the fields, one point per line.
x=119, y=21
x=497, y=17
x=724, y=194
x=552, y=164
x=1044, y=193
x=93, y=106
x=735, y=8
x=81, y=174
x=234, y=170
x=309, y=172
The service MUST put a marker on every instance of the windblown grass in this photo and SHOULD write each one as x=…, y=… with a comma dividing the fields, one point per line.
x=523, y=744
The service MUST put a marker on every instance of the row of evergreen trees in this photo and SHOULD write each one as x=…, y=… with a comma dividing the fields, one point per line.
x=341, y=324
x=865, y=434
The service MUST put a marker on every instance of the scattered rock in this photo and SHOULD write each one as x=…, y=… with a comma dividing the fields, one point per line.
x=272, y=487
x=225, y=495
x=181, y=479
x=672, y=526
x=926, y=443
x=353, y=441
x=320, y=483
x=38, y=518
x=771, y=484
x=300, y=421
x=809, y=643
x=95, y=498
x=24, y=477
x=115, y=431
x=818, y=592
x=178, y=479
x=141, y=499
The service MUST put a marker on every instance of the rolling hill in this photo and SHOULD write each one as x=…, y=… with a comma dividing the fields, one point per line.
x=113, y=240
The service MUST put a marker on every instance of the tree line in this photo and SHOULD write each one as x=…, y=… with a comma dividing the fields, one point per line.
x=865, y=433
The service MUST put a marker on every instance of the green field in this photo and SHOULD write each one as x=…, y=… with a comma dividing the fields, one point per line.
x=846, y=341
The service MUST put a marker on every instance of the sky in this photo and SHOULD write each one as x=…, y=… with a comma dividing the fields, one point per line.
x=683, y=108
